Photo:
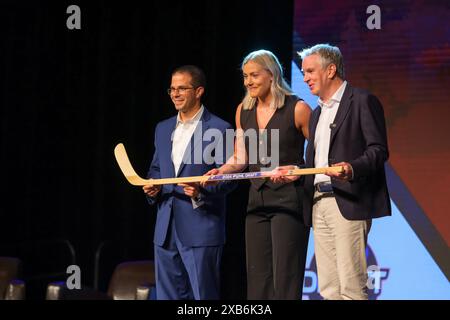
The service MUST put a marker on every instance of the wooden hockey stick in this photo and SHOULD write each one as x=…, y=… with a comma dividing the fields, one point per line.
x=136, y=180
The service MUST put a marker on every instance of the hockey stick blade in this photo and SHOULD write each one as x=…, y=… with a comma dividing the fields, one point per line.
x=126, y=167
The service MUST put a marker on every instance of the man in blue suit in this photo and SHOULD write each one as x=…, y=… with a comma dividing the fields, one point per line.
x=347, y=129
x=190, y=225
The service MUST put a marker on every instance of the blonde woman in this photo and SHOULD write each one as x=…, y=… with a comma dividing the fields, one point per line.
x=276, y=237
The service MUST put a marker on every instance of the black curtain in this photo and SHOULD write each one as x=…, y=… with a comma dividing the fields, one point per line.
x=69, y=96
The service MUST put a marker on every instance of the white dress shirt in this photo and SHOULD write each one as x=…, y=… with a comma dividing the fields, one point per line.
x=181, y=138
x=323, y=132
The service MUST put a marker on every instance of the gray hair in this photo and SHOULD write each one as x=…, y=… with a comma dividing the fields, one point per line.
x=328, y=55
x=279, y=87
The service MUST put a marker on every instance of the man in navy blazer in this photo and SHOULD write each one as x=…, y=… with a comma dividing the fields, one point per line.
x=190, y=225
x=347, y=129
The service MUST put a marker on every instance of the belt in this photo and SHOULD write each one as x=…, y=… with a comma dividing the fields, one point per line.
x=324, y=187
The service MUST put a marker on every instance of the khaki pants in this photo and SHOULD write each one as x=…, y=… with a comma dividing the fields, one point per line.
x=340, y=246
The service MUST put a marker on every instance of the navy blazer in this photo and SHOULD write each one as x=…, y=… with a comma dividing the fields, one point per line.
x=358, y=136
x=205, y=225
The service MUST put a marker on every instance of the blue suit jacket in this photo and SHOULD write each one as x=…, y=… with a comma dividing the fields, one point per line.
x=205, y=225
x=358, y=136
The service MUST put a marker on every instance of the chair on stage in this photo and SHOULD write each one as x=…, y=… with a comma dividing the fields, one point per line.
x=131, y=280
x=11, y=288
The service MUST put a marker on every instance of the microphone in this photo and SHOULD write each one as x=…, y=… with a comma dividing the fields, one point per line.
x=332, y=126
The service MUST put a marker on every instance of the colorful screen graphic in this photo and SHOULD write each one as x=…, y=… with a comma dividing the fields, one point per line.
x=405, y=62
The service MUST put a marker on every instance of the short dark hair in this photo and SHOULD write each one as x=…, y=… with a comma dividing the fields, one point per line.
x=197, y=74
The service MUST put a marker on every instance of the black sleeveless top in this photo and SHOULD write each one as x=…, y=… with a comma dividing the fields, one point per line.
x=265, y=196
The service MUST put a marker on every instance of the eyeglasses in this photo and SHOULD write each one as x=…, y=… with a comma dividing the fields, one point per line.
x=181, y=90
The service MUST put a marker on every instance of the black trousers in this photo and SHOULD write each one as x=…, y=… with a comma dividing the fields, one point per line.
x=276, y=254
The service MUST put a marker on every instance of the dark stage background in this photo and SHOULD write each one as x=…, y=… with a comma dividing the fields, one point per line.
x=69, y=96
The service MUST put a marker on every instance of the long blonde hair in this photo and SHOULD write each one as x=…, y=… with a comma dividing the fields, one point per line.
x=279, y=87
